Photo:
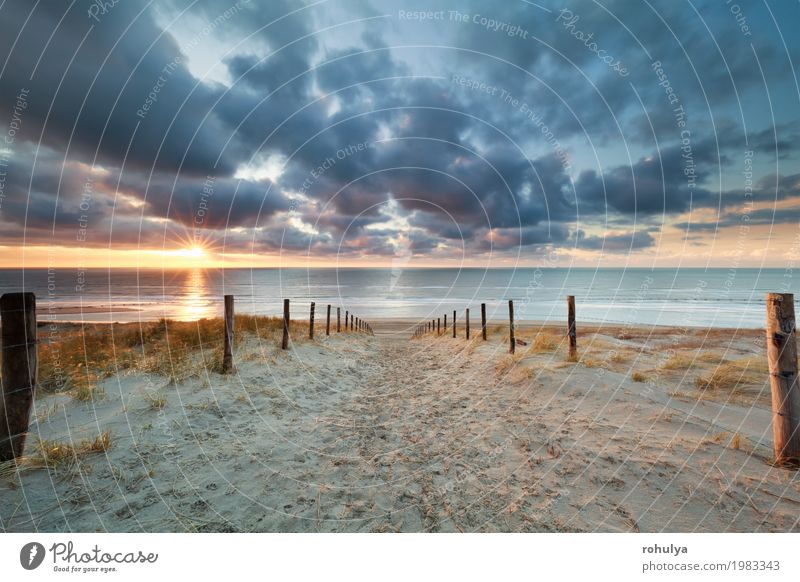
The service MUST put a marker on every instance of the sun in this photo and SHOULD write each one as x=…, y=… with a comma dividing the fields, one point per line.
x=192, y=252
x=195, y=252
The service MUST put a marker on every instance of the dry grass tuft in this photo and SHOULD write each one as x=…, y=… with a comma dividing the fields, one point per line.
x=505, y=363
x=724, y=377
x=677, y=361
x=710, y=357
x=55, y=455
x=543, y=342
x=156, y=401
x=522, y=372
x=638, y=377
x=618, y=358
x=87, y=392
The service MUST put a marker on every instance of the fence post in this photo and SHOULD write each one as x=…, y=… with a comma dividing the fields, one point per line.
x=454, y=323
x=445, y=323
x=328, y=322
x=483, y=321
x=19, y=367
x=285, y=342
x=782, y=358
x=227, y=354
x=571, y=330
x=338, y=319
x=346, y=316
x=438, y=326
x=311, y=322
x=351, y=322
x=467, y=323
x=511, y=337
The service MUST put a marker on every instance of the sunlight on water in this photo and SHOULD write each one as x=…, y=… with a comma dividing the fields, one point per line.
x=194, y=302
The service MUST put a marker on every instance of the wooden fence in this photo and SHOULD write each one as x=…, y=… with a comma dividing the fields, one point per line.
x=18, y=344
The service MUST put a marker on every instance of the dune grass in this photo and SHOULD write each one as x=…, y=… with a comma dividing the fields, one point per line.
x=543, y=342
x=74, y=358
x=58, y=455
x=723, y=378
x=678, y=361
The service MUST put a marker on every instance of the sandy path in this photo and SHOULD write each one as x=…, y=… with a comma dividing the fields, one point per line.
x=387, y=434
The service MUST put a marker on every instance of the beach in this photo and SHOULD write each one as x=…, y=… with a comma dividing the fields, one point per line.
x=649, y=429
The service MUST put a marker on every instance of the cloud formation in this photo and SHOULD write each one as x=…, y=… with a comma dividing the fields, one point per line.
x=355, y=130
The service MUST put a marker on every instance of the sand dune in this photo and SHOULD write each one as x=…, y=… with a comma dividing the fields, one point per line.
x=358, y=433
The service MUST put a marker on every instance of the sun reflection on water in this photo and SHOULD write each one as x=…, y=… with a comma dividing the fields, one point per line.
x=194, y=297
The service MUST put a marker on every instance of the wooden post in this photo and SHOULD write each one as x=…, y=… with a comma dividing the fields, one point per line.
x=20, y=359
x=467, y=322
x=227, y=354
x=445, y=323
x=346, y=316
x=438, y=326
x=351, y=322
x=483, y=321
x=285, y=342
x=328, y=322
x=311, y=322
x=782, y=357
x=571, y=331
x=338, y=319
x=512, y=340
x=454, y=323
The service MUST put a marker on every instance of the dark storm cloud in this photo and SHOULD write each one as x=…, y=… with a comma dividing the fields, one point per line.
x=460, y=166
x=616, y=242
x=118, y=87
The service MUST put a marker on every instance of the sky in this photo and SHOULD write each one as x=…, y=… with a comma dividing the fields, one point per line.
x=358, y=133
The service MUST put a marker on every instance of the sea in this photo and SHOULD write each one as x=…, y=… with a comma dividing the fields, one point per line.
x=687, y=297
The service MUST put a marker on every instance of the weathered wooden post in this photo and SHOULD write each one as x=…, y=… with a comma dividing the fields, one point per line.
x=438, y=326
x=571, y=330
x=454, y=323
x=511, y=339
x=19, y=368
x=328, y=322
x=285, y=342
x=483, y=321
x=351, y=322
x=782, y=357
x=338, y=319
x=311, y=322
x=346, y=319
x=227, y=354
x=445, y=323
x=466, y=322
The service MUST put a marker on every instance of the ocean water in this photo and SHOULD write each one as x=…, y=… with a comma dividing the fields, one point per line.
x=683, y=297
